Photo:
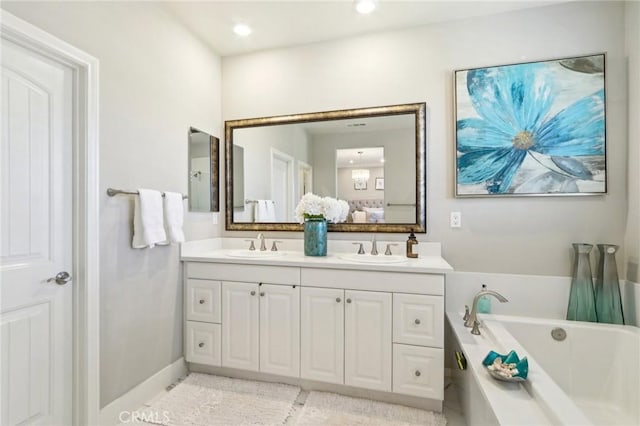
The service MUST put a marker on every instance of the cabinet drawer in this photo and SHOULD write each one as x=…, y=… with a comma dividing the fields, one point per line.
x=418, y=319
x=418, y=371
x=203, y=300
x=203, y=343
x=244, y=273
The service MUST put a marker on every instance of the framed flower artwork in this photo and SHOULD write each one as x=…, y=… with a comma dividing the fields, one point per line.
x=535, y=128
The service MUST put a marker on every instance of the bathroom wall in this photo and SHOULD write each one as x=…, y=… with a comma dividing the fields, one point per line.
x=632, y=240
x=156, y=80
x=530, y=235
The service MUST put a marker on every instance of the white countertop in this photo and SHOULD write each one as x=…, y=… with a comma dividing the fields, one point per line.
x=217, y=250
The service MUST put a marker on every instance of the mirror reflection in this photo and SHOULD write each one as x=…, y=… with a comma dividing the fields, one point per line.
x=203, y=171
x=373, y=158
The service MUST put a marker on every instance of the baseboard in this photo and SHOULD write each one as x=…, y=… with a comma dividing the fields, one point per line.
x=119, y=411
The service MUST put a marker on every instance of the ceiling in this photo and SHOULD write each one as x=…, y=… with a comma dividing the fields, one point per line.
x=296, y=22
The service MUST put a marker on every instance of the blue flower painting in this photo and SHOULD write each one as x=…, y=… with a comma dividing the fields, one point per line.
x=534, y=128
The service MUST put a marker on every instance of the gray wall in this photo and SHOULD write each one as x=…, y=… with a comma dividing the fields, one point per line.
x=632, y=241
x=508, y=235
x=156, y=80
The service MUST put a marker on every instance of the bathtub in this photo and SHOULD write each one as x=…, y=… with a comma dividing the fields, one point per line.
x=592, y=377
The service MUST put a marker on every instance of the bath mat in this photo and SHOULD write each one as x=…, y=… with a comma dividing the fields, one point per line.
x=203, y=400
x=322, y=408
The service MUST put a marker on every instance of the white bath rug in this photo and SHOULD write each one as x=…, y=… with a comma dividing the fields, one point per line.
x=322, y=408
x=206, y=400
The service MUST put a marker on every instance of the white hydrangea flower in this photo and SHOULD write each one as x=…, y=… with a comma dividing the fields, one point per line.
x=329, y=208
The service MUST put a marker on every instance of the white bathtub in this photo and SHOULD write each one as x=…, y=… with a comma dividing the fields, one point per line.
x=590, y=378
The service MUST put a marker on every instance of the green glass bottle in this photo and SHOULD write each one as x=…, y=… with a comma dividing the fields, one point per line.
x=582, y=304
x=608, y=301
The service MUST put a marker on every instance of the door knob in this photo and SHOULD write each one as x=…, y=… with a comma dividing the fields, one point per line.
x=61, y=278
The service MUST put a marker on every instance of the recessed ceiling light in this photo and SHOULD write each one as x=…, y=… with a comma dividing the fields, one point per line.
x=365, y=6
x=242, y=30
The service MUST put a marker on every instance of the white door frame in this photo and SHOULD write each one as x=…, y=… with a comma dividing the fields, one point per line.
x=85, y=167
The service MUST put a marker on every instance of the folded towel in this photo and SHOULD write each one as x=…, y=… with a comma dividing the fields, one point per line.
x=265, y=211
x=173, y=216
x=148, y=223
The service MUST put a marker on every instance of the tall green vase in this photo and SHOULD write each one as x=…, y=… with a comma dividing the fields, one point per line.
x=582, y=306
x=608, y=301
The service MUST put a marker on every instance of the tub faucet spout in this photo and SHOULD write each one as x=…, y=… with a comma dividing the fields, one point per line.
x=473, y=316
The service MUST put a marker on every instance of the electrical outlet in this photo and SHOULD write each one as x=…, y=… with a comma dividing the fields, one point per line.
x=456, y=219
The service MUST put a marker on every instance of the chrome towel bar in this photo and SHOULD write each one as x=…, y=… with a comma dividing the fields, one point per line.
x=113, y=192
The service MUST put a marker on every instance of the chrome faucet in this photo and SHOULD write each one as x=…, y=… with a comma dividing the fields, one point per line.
x=472, y=321
x=263, y=245
x=374, y=246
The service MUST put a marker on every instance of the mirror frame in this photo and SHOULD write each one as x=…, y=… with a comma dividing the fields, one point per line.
x=418, y=109
x=214, y=188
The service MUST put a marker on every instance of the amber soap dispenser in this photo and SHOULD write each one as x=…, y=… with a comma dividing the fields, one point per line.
x=412, y=246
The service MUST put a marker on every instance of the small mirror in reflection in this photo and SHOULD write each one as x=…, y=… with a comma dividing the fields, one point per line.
x=203, y=171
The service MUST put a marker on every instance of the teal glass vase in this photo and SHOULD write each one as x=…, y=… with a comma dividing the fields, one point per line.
x=608, y=300
x=582, y=304
x=315, y=237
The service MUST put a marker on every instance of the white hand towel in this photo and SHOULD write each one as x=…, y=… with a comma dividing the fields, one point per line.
x=264, y=211
x=173, y=216
x=148, y=223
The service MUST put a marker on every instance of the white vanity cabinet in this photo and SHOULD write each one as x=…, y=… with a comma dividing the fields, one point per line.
x=348, y=328
x=259, y=324
x=346, y=337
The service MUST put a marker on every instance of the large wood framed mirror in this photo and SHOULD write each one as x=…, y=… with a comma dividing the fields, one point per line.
x=374, y=158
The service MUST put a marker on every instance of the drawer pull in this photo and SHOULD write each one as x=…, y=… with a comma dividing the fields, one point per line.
x=418, y=373
x=262, y=293
x=201, y=345
x=338, y=299
x=417, y=321
x=202, y=301
x=348, y=300
x=253, y=293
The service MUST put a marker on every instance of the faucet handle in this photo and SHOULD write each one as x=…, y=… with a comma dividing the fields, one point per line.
x=252, y=246
x=466, y=313
x=387, y=252
x=476, y=328
x=361, y=249
x=273, y=245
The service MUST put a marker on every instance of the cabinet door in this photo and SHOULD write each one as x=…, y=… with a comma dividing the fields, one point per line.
x=368, y=340
x=280, y=329
x=322, y=334
x=203, y=343
x=240, y=307
x=203, y=300
x=418, y=320
x=418, y=371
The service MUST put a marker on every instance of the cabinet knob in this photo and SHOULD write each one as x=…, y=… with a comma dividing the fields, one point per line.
x=201, y=345
x=262, y=293
x=417, y=321
x=253, y=293
x=348, y=300
x=338, y=299
x=201, y=301
x=418, y=373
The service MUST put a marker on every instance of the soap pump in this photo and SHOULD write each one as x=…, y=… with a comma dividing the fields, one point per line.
x=484, y=303
x=412, y=243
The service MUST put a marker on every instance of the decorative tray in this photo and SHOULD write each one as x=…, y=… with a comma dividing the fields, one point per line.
x=507, y=368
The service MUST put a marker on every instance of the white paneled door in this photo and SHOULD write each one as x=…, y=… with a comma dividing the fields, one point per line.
x=35, y=239
x=240, y=329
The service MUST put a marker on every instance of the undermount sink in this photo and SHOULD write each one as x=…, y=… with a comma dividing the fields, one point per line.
x=367, y=258
x=254, y=254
